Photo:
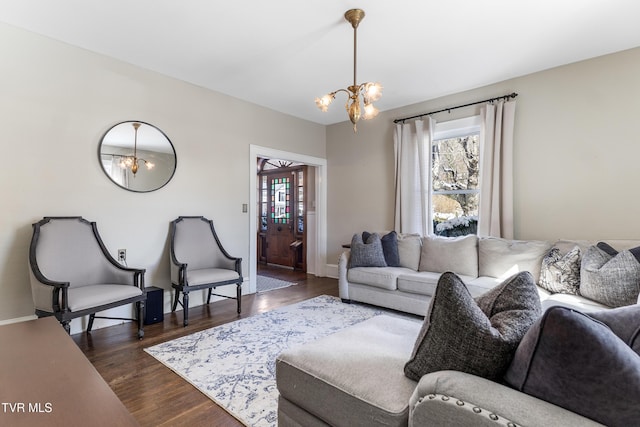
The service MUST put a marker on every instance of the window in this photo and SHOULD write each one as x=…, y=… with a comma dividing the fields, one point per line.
x=455, y=177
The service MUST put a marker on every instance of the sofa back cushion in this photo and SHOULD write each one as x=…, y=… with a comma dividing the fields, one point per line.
x=503, y=258
x=456, y=254
x=409, y=246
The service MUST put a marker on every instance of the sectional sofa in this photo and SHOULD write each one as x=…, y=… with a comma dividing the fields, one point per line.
x=482, y=263
x=563, y=367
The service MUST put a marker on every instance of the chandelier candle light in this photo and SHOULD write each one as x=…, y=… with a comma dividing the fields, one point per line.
x=132, y=161
x=370, y=92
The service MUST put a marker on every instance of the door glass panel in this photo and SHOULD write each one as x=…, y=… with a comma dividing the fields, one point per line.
x=280, y=202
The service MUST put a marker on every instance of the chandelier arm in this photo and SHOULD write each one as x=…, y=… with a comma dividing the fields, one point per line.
x=342, y=90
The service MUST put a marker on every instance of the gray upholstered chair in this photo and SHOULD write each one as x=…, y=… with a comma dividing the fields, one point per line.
x=73, y=275
x=198, y=261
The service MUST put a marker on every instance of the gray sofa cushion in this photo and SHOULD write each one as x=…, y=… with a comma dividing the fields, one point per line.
x=561, y=273
x=409, y=246
x=354, y=376
x=474, y=336
x=380, y=277
x=611, y=280
x=503, y=258
x=576, y=362
x=389, y=247
x=367, y=254
x=456, y=254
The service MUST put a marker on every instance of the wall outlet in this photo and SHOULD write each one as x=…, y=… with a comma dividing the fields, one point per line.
x=122, y=255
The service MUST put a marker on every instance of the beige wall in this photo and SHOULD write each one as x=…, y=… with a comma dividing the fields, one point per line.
x=576, y=155
x=57, y=101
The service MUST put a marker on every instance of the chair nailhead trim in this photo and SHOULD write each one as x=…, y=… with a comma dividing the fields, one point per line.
x=460, y=403
x=445, y=398
x=494, y=417
x=511, y=425
x=477, y=410
x=431, y=396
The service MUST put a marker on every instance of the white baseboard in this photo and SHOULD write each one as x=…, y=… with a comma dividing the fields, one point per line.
x=332, y=271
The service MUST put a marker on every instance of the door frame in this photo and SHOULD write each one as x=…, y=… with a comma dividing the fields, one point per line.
x=320, y=166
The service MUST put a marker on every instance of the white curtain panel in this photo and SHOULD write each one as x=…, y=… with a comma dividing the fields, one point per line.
x=412, y=166
x=496, y=173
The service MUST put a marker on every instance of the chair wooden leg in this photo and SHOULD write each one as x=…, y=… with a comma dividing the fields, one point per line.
x=239, y=297
x=90, y=325
x=175, y=300
x=185, y=307
x=141, y=310
x=209, y=295
x=66, y=324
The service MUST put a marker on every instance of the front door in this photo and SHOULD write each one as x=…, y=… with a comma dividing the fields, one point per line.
x=280, y=231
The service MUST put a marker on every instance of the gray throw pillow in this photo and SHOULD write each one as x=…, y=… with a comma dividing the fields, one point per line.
x=610, y=280
x=389, y=247
x=474, y=336
x=561, y=273
x=576, y=362
x=624, y=322
x=368, y=254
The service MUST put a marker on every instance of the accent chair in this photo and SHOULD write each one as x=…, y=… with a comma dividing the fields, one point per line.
x=73, y=275
x=199, y=261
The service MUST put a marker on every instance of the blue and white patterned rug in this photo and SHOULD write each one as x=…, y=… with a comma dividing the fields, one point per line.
x=234, y=364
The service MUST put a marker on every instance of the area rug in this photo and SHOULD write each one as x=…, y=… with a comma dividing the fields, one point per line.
x=265, y=284
x=234, y=364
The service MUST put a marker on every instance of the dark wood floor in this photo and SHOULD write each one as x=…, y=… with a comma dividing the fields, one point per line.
x=154, y=394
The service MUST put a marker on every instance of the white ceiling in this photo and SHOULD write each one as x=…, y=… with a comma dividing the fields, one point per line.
x=283, y=53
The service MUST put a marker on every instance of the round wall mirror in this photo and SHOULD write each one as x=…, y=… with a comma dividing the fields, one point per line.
x=137, y=156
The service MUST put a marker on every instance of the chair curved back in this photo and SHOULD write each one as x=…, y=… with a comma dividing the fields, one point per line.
x=72, y=274
x=195, y=243
x=70, y=250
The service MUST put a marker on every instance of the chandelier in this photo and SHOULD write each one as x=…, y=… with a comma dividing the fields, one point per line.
x=132, y=162
x=370, y=92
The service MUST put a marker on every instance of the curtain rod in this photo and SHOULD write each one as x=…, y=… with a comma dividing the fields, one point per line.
x=505, y=97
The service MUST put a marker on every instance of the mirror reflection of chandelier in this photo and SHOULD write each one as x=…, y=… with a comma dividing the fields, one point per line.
x=132, y=162
x=370, y=92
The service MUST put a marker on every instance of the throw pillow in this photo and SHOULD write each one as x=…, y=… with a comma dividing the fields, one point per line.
x=573, y=361
x=613, y=252
x=389, y=247
x=610, y=280
x=561, y=273
x=480, y=337
x=409, y=250
x=366, y=254
x=503, y=257
x=624, y=322
x=455, y=254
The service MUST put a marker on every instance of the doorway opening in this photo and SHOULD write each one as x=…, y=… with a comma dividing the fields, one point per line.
x=283, y=202
x=311, y=252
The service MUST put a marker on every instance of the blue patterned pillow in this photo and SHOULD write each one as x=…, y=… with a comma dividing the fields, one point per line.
x=368, y=254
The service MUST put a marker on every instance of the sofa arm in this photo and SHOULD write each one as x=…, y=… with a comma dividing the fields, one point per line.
x=457, y=398
x=343, y=283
